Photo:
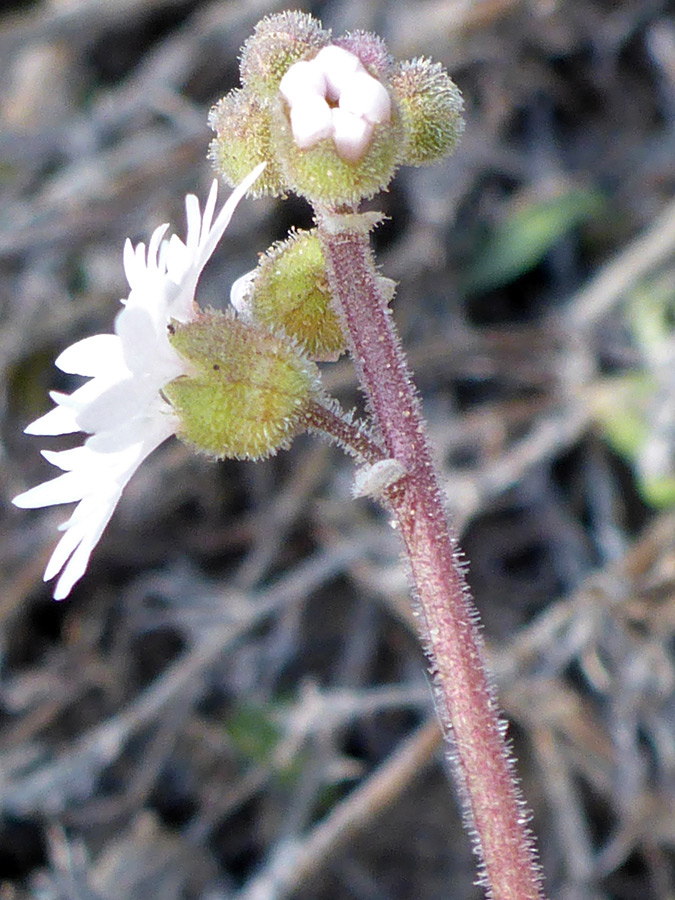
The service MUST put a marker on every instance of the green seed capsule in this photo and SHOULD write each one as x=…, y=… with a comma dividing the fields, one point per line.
x=290, y=292
x=431, y=109
x=250, y=390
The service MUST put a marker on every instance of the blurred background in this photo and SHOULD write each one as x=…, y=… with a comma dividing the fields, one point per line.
x=233, y=702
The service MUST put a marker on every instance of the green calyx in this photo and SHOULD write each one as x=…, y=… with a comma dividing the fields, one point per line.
x=277, y=43
x=431, y=109
x=290, y=291
x=242, y=125
x=322, y=176
x=249, y=391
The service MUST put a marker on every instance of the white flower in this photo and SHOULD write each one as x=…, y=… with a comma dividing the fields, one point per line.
x=121, y=407
x=334, y=96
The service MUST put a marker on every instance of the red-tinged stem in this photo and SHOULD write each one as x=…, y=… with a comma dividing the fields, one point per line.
x=448, y=620
x=350, y=436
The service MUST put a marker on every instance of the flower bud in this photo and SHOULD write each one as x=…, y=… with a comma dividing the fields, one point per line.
x=431, y=109
x=289, y=290
x=371, y=50
x=278, y=41
x=335, y=132
x=242, y=126
x=249, y=392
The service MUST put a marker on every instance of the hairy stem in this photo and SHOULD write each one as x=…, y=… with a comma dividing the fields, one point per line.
x=448, y=620
x=327, y=419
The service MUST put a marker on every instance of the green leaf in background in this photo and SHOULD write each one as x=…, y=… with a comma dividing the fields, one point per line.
x=658, y=492
x=651, y=314
x=253, y=731
x=524, y=237
x=621, y=409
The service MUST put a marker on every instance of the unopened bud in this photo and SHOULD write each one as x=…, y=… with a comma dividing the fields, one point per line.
x=371, y=50
x=289, y=290
x=431, y=109
x=249, y=390
x=277, y=43
x=242, y=126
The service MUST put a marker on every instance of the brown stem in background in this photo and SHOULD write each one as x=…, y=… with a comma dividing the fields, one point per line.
x=465, y=701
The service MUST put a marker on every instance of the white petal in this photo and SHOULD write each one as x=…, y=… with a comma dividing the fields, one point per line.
x=135, y=431
x=137, y=332
x=83, y=543
x=116, y=439
x=240, y=293
x=311, y=121
x=154, y=245
x=140, y=268
x=337, y=65
x=303, y=78
x=84, y=530
x=62, y=489
x=84, y=396
x=178, y=262
x=79, y=459
x=92, y=356
x=194, y=224
x=364, y=96
x=59, y=557
x=352, y=135
x=147, y=348
x=209, y=210
x=74, y=536
x=223, y=219
x=128, y=261
x=134, y=262
x=92, y=507
x=57, y=421
x=118, y=404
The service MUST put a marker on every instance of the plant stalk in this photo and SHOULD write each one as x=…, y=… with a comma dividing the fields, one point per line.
x=494, y=811
x=328, y=420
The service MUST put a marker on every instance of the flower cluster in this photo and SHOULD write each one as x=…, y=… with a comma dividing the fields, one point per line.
x=329, y=118
x=333, y=117
x=122, y=407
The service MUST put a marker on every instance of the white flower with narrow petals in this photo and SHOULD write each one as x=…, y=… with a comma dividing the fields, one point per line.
x=122, y=407
x=334, y=96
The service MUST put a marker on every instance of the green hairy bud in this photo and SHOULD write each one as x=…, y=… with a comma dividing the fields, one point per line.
x=242, y=126
x=371, y=50
x=431, y=108
x=250, y=390
x=290, y=291
x=277, y=42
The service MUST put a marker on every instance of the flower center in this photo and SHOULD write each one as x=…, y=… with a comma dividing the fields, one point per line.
x=334, y=96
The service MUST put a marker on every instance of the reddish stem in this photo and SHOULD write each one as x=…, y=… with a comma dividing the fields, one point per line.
x=465, y=700
x=324, y=418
